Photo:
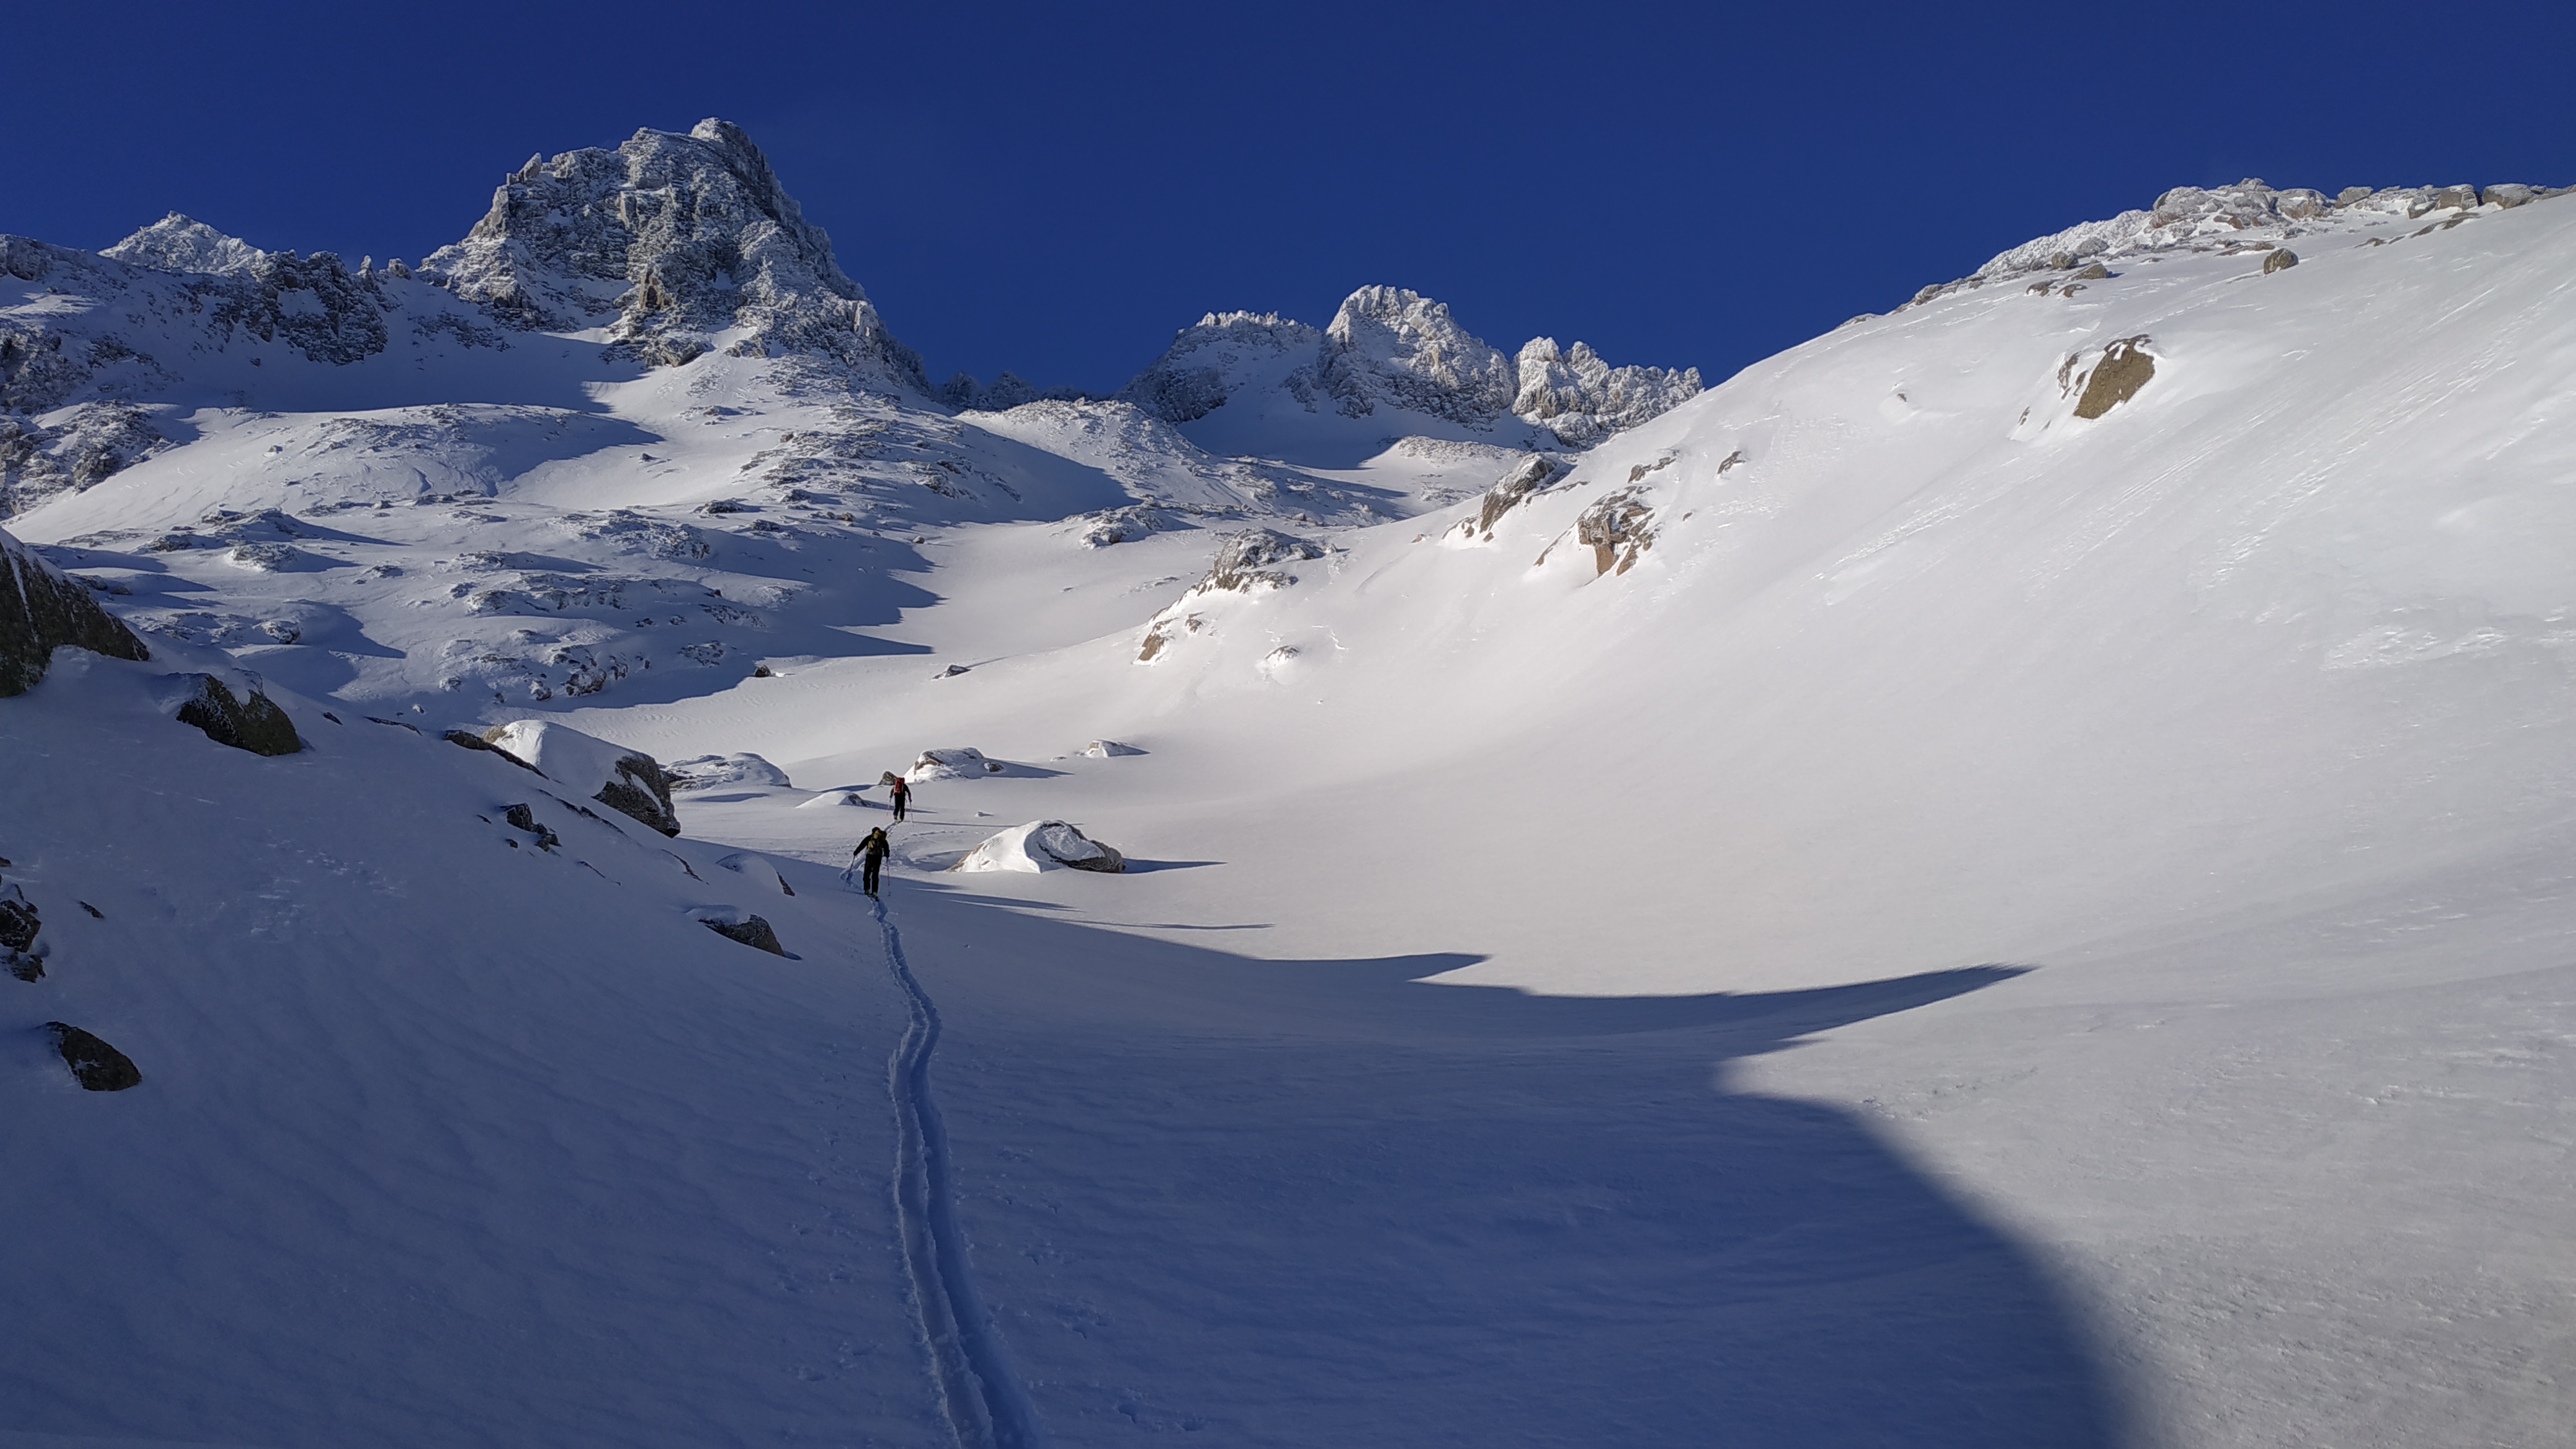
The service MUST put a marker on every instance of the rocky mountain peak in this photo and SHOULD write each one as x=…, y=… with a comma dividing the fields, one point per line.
x=178, y=243
x=1391, y=348
x=675, y=244
x=1390, y=345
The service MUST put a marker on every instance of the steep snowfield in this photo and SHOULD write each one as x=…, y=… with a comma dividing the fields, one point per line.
x=2000, y=877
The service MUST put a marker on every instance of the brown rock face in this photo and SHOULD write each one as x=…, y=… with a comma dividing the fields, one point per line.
x=1619, y=528
x=2125, y=367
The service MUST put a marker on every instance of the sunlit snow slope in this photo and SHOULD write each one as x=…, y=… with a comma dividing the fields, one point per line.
x=2002, y=877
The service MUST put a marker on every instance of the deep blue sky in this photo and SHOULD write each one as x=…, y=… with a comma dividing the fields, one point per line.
x=1054, y=188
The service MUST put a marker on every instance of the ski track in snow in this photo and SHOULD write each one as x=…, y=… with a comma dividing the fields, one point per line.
x=979, y=1391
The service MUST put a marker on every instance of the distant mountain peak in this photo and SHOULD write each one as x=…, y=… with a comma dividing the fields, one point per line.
x=1393, y=348
x=179, y=243
x=675, y=244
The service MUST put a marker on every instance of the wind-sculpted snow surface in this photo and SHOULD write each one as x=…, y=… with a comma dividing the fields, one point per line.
x=678, y=244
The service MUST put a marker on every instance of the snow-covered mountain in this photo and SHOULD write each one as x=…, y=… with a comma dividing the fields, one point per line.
x=1998, y=877
x=1390, y=357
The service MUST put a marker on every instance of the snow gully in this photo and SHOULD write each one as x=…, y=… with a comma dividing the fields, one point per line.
x=979, y=1392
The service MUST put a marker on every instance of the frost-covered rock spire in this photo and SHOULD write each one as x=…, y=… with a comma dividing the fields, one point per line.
x=1393, y=349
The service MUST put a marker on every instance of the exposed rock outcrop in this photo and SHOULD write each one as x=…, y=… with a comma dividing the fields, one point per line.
x=2279, y=259
x=247, y=721
x=1619, y=528
x=752, y=931
x=41, y=611
x=2125, y=367
x=1248, y=562
x=97, y=1066
x=1515, y=489
x=19, y=925
x=670, y=240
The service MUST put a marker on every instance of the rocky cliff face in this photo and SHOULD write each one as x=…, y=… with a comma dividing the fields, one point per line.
x=1394, y=351
x=677, y=244
x=41, y=611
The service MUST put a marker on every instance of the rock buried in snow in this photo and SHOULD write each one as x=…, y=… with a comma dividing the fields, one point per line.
x=1041, y=845
x=40, y=611
x=95, y=1065
x=246, y=722
x=751, y=931
x=627, y=781
x=1108, y=750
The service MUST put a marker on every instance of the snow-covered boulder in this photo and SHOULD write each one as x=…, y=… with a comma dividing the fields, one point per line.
x=1108, y=750
x=708, y=772
x=839, y=796
x=755, y=866
x=41, y=611
x=627, y=781
x=964, y=762
x=1038, y=846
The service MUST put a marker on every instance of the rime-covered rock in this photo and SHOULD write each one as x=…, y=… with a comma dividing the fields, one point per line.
x=1396, y=348
x=42, y=611
x=40, y=460
x=1210, y=361
x=670, y=240
x=1392, y=351
x=1582, y=399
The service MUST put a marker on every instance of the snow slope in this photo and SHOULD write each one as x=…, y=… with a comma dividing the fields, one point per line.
x=1996, y=878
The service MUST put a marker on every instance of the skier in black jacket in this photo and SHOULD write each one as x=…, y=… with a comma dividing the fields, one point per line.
x=870, y=856
x=901, y=794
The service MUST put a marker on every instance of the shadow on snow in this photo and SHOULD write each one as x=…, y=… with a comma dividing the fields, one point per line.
x=1326, y=1202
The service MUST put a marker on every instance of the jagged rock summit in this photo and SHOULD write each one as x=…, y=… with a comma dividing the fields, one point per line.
x=675, y=245
x=1390, y=352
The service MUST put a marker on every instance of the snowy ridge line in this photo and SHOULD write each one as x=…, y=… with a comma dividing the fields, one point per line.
x=979, y=1391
